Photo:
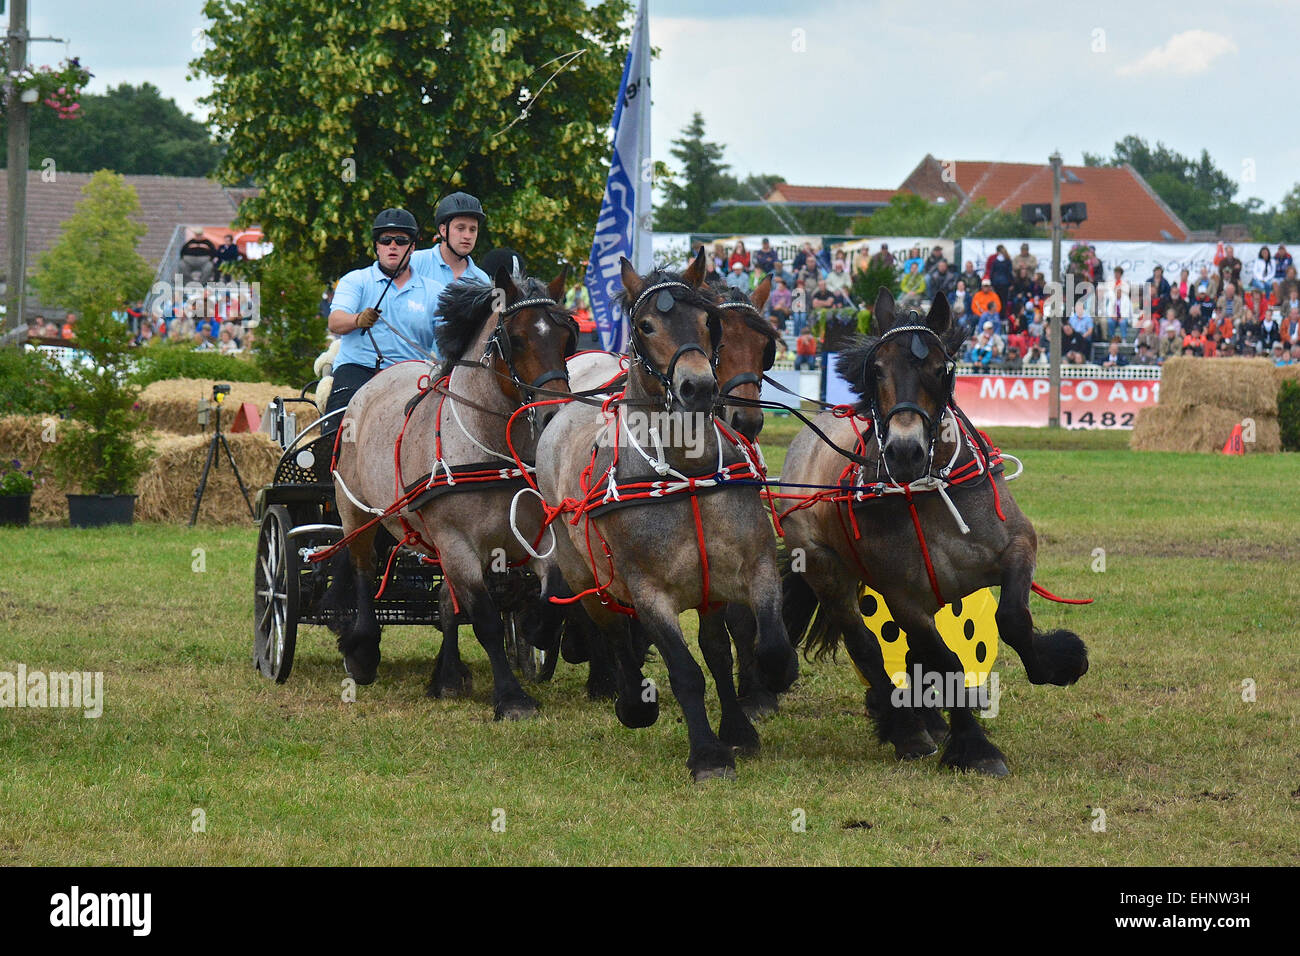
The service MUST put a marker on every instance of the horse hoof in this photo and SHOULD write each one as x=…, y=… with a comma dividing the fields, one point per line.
x=975, y=754
x=601, y=690
x=713, y=773
x=935, y=725
x=757, y=706
x=517, y=710
x=359, y=671
x=449, y=689
x=1063, y=658
x=637, y=715
x=915, y=746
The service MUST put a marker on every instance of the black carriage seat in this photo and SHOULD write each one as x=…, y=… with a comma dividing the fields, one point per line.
x=308, y=464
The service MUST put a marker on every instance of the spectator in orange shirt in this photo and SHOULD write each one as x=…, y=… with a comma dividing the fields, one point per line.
x=68, y=331
x=985, y=299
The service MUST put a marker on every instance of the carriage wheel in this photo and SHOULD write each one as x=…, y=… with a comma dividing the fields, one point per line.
x=275, y=596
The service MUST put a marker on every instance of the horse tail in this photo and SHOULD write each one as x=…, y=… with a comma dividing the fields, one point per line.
x=806, y=621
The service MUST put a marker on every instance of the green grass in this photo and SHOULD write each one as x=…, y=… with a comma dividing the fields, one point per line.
x=1198, y=594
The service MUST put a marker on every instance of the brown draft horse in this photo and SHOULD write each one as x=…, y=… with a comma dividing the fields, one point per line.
x=517, y=339
x=674, y=552
x=903, y=377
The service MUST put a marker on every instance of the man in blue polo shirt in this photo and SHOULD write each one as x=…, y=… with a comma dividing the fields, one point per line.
x=456, y=220
x=409, y=305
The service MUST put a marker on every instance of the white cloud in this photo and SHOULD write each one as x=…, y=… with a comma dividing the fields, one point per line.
x=1186, y=53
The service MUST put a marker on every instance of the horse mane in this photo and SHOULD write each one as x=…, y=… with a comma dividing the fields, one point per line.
x=728, y=294
x=466, y=304
x=852, y=360
x=693, y=297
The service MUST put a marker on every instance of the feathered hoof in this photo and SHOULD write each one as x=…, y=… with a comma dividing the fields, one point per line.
x=517, y=709
x=713, y=773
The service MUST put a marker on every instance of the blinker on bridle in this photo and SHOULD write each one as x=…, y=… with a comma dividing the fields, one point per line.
x=500, y=340
x=919, y=348
x=664, y=302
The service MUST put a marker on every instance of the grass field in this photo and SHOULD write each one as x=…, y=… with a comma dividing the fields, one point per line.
x=1199, y=594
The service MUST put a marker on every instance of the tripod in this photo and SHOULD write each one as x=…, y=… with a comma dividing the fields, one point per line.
x=218, y=437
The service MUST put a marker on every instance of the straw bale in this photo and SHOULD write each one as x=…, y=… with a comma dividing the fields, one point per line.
x=167, y=489
x=171, y=405
x=1244, y=386
x=1199, y=428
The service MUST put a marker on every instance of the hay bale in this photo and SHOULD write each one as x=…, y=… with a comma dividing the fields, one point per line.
x=1199, y=428
x=171, y=405
x=1245, y=386
x=22, y=437
x=1286, y=373
x=167, y=489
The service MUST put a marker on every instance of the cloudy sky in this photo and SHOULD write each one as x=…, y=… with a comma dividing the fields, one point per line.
x=853, y=93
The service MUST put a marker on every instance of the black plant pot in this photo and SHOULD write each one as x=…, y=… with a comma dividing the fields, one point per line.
x=15, y=509
x=94, y=511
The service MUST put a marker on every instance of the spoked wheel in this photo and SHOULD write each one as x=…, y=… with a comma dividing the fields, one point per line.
x=533, y=664
x=275, y=596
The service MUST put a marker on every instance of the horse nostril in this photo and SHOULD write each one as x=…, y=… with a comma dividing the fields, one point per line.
x=687, y=390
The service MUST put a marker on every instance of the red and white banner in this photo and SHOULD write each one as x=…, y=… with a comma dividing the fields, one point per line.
x=993, y=400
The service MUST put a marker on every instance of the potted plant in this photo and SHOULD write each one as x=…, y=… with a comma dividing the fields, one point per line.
x=95, y=270
x=16, y=494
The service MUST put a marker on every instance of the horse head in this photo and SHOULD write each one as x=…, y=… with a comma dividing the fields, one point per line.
x=904, y=379
x=534, y=338
x=748, y=350
x=675, y=332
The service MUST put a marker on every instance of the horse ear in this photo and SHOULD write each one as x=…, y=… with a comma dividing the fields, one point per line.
x=883, y=313
x=631, y=281
x=939, y=318
x=506, y=284
x=761, y=292
x=556, y=289
x=694, y=275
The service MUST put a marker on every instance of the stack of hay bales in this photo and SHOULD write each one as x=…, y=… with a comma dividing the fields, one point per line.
x=166, y=491
x=1201, y=400
x=171, y=405
x=167, y=488
x=22, y=438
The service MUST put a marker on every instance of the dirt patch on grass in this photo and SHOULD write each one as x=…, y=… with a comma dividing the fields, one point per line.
x=1219, y=550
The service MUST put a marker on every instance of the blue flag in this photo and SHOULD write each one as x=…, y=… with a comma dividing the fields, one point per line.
x=623, y=227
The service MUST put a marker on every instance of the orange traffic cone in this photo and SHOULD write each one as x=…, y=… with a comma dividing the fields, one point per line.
x=1235, y=446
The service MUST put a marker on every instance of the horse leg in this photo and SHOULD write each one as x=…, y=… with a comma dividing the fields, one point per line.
x=451, y=677
x=360, y=644
x=968, y=747
x=756, y=700
x=776, y=659
x=837, y=593
x=462, y=568
x=1055, y=657
x=734, y=727
x=709, y=757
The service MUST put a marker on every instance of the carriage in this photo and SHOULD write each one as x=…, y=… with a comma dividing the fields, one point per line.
x=296, y=516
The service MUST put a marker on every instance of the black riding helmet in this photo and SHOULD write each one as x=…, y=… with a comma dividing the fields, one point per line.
x=457, y=204
x=513, y=261
x=395, y=220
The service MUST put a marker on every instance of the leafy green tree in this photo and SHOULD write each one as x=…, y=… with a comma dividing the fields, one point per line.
x=337, y=114
x=291, y=331
x=129, y=129
x=93, y=270
x=703, y=180
x=910, y=215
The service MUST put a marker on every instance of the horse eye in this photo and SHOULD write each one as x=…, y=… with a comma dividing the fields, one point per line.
x=646, y=327
x=517, y=344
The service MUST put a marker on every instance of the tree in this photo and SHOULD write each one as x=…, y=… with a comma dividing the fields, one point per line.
x=399, y=102
x=129, y=129
x=93, y=269
x=291, y=330
x=910, y=215
x=703, y=181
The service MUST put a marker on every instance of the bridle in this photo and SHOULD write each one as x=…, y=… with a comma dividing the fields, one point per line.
x=500, y=342
x=664, y=302
x=746, y=378
x=920, y=350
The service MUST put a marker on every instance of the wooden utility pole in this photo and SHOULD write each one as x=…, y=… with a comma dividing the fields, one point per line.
x=16, y=118
x=1054, y=373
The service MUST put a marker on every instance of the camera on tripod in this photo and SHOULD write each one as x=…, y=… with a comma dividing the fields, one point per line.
x=219, y=393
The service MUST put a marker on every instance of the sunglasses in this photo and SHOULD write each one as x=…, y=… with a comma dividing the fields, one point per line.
x=395, y=241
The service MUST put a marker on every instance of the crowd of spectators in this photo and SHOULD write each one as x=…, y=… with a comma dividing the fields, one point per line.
x=1224, y=311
